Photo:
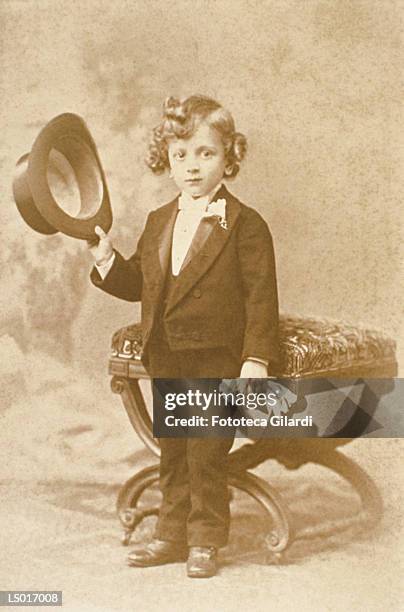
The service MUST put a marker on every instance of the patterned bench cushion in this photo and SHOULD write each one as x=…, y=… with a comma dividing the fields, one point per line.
x=309, y=347
x=321, y=347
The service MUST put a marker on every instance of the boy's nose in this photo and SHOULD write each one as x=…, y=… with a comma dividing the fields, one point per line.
x=193, y=166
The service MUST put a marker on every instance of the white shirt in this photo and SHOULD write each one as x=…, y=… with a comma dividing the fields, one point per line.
x=190, y=213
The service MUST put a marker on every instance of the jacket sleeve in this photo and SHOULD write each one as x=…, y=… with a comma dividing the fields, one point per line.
x=125, y=278
x=258, y=274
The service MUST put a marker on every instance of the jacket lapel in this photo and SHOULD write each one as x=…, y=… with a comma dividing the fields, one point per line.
x=157, y=255
x=209, y=240
x=166, y=237
x=202, y=233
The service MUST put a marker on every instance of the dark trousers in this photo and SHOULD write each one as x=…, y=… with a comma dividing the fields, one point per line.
x=193, y=471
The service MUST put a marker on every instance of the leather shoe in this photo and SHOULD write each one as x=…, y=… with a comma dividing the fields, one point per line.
x=202, y=562
x=157, y=552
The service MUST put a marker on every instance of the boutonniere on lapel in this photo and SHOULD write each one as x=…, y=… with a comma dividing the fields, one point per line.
x=217, y=209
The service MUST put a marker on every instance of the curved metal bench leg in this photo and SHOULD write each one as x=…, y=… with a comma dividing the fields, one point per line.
x=128, y=497
x=361, y=482
x=133, y=401
x=279, y=535
x=277, y=539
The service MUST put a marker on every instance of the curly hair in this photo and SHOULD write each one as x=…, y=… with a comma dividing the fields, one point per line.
x=180, y=120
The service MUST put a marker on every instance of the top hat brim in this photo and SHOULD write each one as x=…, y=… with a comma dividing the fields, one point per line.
x=63, y=168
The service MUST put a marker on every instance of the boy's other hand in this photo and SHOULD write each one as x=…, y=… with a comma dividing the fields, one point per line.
x=101, y=248
x=253, y=369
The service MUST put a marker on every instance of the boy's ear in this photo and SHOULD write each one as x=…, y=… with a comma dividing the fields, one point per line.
x=228, y=169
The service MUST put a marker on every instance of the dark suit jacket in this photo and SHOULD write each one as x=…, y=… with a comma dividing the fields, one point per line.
x=226, y=292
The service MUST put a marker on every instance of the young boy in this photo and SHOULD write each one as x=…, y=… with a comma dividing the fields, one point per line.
x=204, y=271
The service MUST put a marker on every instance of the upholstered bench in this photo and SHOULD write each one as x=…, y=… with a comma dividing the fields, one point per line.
x=310, y=349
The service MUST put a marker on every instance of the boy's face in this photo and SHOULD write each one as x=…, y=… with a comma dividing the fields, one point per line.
x=197, y=163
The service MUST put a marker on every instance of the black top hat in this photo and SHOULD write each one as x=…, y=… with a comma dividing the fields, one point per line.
x=60, y=186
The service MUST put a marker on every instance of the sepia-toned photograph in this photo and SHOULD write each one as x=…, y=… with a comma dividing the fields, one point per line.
x=202, y=305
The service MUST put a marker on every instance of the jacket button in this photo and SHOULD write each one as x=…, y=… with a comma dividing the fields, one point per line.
x=197, y=293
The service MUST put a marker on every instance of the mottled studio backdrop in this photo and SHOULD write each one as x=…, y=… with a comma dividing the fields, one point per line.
x=315, y=85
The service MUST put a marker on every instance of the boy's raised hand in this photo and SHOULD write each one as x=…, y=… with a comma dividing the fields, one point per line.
x=101, y=249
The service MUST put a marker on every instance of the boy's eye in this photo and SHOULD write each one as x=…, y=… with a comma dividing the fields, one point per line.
x=207, y=154
x=179, y=155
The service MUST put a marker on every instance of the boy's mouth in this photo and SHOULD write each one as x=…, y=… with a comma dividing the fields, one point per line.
x=193, y=180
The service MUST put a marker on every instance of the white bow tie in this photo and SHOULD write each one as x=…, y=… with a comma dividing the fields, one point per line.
x=203, y=208
x=190, y=204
